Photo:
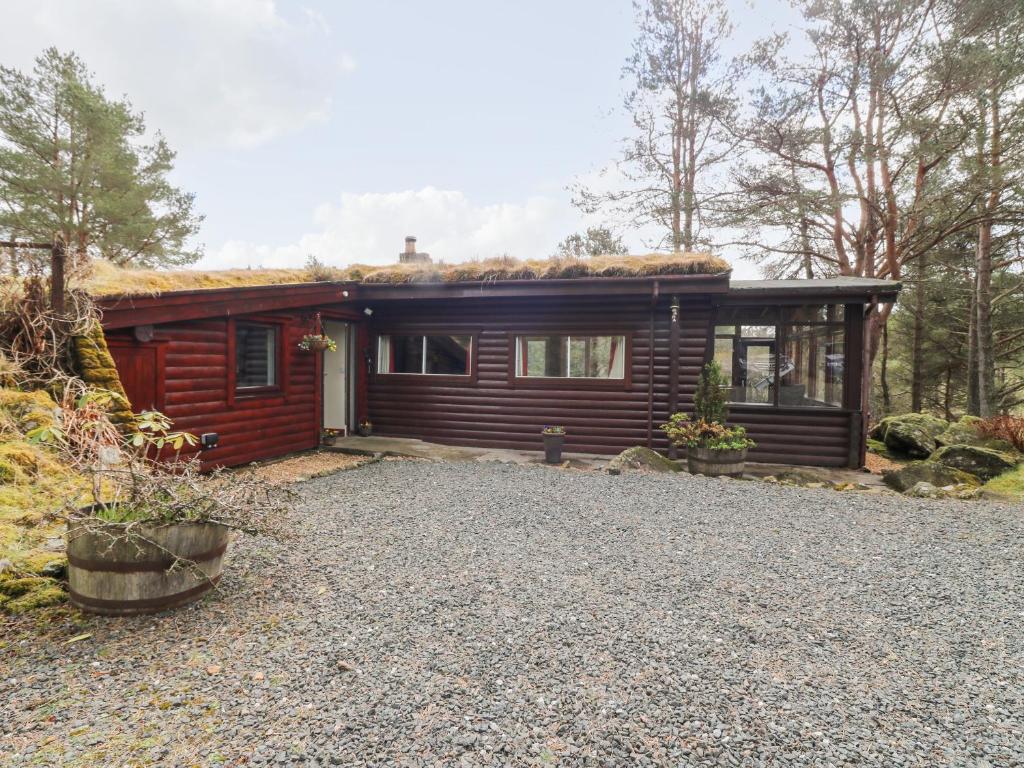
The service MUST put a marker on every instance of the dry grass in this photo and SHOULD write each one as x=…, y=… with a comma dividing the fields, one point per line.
x=110, y=280
x=507, y=268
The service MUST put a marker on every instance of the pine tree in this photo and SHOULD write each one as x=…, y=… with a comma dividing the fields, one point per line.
x=73, y=162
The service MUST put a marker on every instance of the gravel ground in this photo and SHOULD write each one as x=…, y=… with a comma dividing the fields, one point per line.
x=475, y=614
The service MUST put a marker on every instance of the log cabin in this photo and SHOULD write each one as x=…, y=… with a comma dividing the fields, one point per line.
x=487, y=354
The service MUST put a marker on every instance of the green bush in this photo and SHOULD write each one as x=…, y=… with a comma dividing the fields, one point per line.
x=711, y=402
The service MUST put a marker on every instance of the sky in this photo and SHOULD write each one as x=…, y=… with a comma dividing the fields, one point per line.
x=335, y=129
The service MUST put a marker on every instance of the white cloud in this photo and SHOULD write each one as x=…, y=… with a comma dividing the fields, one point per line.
x=370, y=228
x=206, y=72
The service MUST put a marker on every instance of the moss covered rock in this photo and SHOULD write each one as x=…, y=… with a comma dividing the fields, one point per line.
x=913, y=434
x=933, y=473
x=21, y=412
x=643, y=459
x=96, y=367
x=983, y=462
x=965, y=432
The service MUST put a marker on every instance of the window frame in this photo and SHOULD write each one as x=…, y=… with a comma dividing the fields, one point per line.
x=460, y=378
x=780, y=324
x=570, y=382
x=279, y=388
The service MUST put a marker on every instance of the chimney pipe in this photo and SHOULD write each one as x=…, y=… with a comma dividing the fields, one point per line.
x=410, y=256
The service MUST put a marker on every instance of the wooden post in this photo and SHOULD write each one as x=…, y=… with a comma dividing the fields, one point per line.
x=57, y=276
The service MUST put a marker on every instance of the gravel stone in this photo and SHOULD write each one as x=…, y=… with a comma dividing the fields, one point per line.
x=474, y=614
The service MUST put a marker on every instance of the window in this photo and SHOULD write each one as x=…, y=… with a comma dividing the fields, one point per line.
x=437, y=355
x=792, y=356
x=255, y=355
x=576, y=357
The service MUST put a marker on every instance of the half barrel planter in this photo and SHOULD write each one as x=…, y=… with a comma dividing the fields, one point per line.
x=155, y=568
x=704, y=461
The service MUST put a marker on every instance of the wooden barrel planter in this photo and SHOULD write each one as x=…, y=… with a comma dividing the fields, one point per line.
x=117, y=575
x=704, y=461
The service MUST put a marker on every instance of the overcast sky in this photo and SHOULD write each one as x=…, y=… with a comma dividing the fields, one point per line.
x=337, y=128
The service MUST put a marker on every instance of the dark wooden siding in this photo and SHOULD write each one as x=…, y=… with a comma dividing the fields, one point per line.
x=490, y=410
x=493, y=411
x=196, y=396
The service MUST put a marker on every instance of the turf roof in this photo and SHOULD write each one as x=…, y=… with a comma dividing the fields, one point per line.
x=109, y=280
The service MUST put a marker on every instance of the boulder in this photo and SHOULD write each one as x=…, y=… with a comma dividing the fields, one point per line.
x=924, y=490
x=933, y=473
x=912, y=434
x=641, y=458
x=879, y=431
x=983, y=462
x=808, y=478
x=965, y=432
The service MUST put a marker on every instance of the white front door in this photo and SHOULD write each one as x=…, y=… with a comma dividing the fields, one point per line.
x=336, y=377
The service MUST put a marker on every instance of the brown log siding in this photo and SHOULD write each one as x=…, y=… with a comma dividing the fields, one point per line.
x=604, y=417
x=197, y=399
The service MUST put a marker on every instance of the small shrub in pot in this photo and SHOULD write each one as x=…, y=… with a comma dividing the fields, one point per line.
x=154, y=530
x=712, y=447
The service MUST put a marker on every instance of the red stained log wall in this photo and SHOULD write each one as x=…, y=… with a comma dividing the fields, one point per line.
x=196, y=394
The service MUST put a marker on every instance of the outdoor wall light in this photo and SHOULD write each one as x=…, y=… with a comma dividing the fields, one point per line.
x=368, y=312
x=345, y=294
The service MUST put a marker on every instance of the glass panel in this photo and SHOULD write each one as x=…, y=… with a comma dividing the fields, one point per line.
x=596, y=357
x=541, y=356
x=584, y=357
x=448, y=355
x=812, y=366
x=255, y=355
x=814, y=313
x=747, y=356
x=401, y=354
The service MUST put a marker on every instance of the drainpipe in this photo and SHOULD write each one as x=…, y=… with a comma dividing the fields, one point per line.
x=673, y=365
x=655, y=292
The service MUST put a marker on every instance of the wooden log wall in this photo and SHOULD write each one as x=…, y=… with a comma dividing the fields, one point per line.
x=490, y=409
x=196, y=397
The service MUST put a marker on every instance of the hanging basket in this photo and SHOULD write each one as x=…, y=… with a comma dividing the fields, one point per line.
x=315, y=342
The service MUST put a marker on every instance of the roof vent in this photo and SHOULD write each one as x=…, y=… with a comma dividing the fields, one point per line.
x=410, y=256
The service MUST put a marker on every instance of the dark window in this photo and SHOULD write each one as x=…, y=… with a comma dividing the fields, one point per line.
x=577, y=357
x=792, y=356
x=437, y=355
x=255, y=355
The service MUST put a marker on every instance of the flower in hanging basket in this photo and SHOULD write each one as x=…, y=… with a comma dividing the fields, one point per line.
x=316, y=342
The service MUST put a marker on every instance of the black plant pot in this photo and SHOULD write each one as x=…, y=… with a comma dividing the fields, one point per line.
x=553, y=448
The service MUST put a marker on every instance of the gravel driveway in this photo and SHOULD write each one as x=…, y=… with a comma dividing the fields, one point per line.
x=475, y=614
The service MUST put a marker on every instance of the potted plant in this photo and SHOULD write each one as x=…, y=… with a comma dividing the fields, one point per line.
x=365, y=428
x=317, y=342
x=329, y=436
x=155, y=530
x=554, y=438
x=712, y=447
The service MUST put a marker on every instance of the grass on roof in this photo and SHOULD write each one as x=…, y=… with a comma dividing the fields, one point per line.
x=110, y=280
x=507, y=268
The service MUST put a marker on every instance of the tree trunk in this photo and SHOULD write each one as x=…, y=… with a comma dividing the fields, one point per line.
x=983, y=321
x=917, y=343
x=947, y=395
x=883, y=377
x=973, y=407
